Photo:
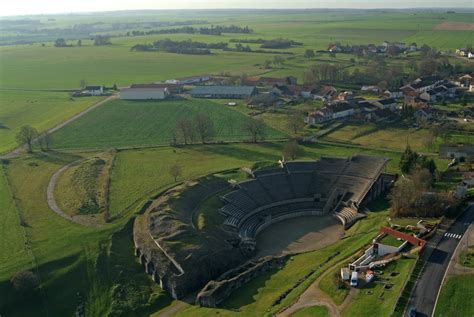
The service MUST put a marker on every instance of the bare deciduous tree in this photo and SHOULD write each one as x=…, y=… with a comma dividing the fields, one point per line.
x=292, y=150
x=255, y=128
x=204, y=127
x=186, y=130
x=27, y=135
x=175, y=171
x=295, y=122
x=82, y=83
x=45, y=142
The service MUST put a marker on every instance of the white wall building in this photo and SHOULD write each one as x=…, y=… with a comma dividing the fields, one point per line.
x=143, y=93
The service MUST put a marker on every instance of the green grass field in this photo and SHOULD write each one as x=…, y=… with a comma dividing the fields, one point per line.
x=313, y=311
x=453, y=297
x=380, y=302
x=34, y=66
x=13, y=241
x=129, y=123
x=42, y=110
x=329, y=286
x=140, y=173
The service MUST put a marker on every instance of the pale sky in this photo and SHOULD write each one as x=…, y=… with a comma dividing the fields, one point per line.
x=22, y=7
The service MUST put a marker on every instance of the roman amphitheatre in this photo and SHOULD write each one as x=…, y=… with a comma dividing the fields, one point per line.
x=307, y=197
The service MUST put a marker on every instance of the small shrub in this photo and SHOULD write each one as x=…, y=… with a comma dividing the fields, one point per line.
x=25, y=281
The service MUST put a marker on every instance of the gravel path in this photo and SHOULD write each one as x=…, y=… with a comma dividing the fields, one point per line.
x=53, y=204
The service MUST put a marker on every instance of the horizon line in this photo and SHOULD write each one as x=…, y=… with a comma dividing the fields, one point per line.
x=231, y=8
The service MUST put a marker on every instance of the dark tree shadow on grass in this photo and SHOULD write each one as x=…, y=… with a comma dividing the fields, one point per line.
x=246, y=294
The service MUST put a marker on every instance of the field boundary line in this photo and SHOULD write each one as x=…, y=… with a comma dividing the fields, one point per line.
x=26, y=238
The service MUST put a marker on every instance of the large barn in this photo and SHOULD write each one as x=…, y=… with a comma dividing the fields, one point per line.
x=224, y=92
x=144, y=93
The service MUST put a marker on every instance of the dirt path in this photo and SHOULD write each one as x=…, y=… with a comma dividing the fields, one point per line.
x=20, y=149
x=52, y=200
x=313, y=296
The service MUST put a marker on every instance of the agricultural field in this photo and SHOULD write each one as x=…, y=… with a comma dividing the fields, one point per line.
x=41, y=110
x=25, y=66
x=392, y=137
x=134, y=123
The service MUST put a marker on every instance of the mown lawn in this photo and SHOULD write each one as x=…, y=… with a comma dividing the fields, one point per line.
x=456, y=297
x=313, y=311
x=134, y=123
x=373, y=299
x=42, y=110
x=139, y=173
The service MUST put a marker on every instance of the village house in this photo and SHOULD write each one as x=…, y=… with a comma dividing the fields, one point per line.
x=327, y=93
x=370, y=89
x=93, y=90
x=462, y=152
x=144, y=93
x=224, y=92
x=434, y=94
x=341, y=110
x=389, y=103
x=424, y=83
x=393, y=94
x=424, y=114
x=319, y=116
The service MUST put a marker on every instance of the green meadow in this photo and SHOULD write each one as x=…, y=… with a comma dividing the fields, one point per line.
x=42, y=110
x=35, y=66
x=137, y=123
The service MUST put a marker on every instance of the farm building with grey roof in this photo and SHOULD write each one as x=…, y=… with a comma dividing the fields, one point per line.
x=224, y=92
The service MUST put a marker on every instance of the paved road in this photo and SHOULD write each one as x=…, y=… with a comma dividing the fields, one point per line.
x=424, y=295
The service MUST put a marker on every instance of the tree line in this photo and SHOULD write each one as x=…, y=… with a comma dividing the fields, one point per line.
x=195, y=48
x=200, y=128
x=212, y=30
x=29, y=135
x=413, y=193
x=179, y=47
x=99, y=40
x=273, y=43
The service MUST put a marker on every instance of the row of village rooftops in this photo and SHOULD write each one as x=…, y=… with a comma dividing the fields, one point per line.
x=424, y=89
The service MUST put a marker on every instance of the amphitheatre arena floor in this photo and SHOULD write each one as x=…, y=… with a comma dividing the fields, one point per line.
x=297, y=235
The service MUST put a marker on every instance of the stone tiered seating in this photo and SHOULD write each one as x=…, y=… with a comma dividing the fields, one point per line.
x=232, y=210
x=254, y=189
x=348, y=216
x=241, y=200
x=301, y=188
x=301, y=183
x=301, y=166
x=278, y=186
